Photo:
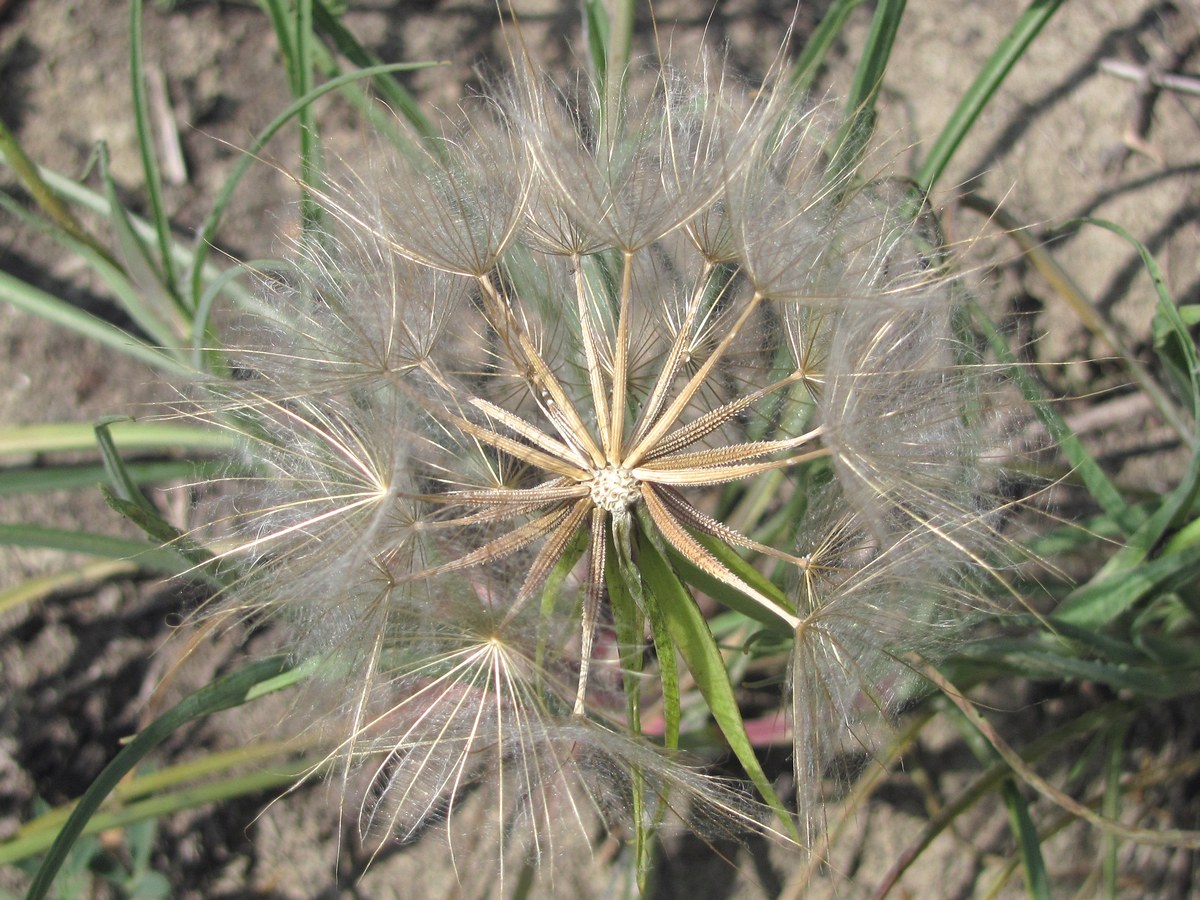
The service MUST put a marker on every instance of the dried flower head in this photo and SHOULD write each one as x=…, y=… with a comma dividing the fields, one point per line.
x=566, y=366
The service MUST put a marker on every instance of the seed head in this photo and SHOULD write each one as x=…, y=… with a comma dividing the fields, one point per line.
x=561, y=340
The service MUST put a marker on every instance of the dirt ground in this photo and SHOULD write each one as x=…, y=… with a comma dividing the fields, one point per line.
x=1064, y=137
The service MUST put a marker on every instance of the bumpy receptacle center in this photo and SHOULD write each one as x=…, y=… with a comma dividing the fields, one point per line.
x=614, y=489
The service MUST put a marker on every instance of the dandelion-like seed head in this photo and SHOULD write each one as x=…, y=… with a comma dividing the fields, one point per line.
x=563, y=360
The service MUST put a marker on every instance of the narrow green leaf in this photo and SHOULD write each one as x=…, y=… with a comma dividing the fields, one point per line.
x=1111, y=805
x=551, y=590
x=391, y=91
x=150, y=170
x=152, y=305
x=311, y=163
x=1172, y=338
x=1039, y=663
x=28, y=298
x=596, y=31
x=668, y=674
x=224, y=693
x=27, y=480
x=158, y=781
x=624, y=583
x=207, y=233
x=59, y=437
x=126, y=498
x=34, y=589
x=1108, y=596
x=1103, y=491
x=1029, y=845
x=114, y=467
x=131, y=298
x=103, y=545
x=727, y=595
x=43, y=195
x=854, y=136
x=804, y=69
x=164, y=803
x=990, y=77
x=691, y=637
x=94, y=202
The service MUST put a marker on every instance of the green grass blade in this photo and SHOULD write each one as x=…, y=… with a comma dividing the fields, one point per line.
x=33, y=589
x=668, y=674
x=1173, y=340
x=207, y=232
x=165, y=803
x=127, y=498
x=150, y=170
x=727, y=595
x=1110, y=595
x=1029, y=844
x=391, y=91
x=620, y=48
x=1111, y=806
x=129, y=296
x=43, y=195
x=84, y=197
x=691, y=637
x=224, y=693
x=170, y=778
x=597, y=34
x=1034, y=660
x=60, y=437
x=31, y=480
x=1084, y=465
x=150, y=302
x=311, y=164
x=990, y=77
x=103, y=545
x=155, y=783
x=114, y=467
x=804, y=69
x=856, y=133
x=30, y=299
x=624, y=586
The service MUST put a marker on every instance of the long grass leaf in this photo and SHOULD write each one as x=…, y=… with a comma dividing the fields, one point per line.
x=311, y=165
x=727, y=595
x=391, y=91
x=165, y=803
x=129, y=296
x=692, y=638
x=1008, y=52
x=91, y=544
x=816, y=48
x=224, y=693
x=84, y=197
x=208, y=230
x=34, y=589
x=43, y=195
x=1029, y=845
x=1084, y=465
x=624, y=584
x=1109, y=595
x=61, y=437
x=150, y=170
x=854, y=136
x=30, y=299
x=151, y=304
x=30, y=479
x=1067, y=288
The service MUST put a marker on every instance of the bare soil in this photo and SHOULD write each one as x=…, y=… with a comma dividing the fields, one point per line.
x=1064, y=137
